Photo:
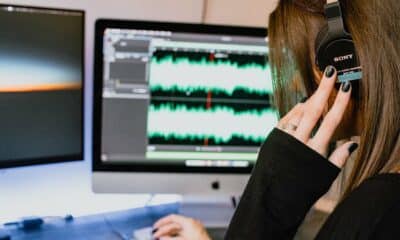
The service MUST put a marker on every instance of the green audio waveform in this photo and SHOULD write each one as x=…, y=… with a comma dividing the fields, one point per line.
x=181, y=108
x=184, y=75
x=199, y=137
x=221, y=123
x=237, y=60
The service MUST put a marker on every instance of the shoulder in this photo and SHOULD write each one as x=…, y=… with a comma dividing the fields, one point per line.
x=362, y=214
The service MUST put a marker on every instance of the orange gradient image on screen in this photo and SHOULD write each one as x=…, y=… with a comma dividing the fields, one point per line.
x=32, y=74
x=40, y=88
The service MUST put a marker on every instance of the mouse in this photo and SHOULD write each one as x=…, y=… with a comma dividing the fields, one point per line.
x=143, y=234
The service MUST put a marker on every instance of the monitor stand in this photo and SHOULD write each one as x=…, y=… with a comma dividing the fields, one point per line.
x=213, y=212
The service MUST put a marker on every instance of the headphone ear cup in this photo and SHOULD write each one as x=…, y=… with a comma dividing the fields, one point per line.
x=322, y=34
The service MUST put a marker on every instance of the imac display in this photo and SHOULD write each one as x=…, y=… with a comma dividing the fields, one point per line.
x=180, y=98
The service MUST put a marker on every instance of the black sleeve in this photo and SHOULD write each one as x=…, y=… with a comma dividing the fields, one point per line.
x=388, y=226
x=286, y=181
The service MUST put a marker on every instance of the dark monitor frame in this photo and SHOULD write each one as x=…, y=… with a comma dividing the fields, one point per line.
x=63, y=158
x=101, y=26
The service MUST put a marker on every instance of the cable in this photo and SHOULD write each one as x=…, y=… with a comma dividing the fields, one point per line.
x=27, y=223
x=204, y=11
x=36, y=222
x=115, y=231
x=11, y=224
x=149, y=200
x=66, y=218
x=234, y=202
x=152, y=215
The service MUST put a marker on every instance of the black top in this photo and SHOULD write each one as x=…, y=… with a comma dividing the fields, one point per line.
x=287, y=180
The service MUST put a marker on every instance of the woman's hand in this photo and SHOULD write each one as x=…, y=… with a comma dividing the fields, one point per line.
x=303, y=118
x=177, y=227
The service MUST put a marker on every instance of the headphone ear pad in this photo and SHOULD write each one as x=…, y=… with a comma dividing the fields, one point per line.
x=322, y=34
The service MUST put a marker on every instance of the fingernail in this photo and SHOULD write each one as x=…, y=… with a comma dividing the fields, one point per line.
x=303, y=100
x=154, y=230
x=353, y=147
x=346, y=86
x=330, y=71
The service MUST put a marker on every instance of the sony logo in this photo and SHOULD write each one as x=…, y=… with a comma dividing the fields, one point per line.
x=343, y=58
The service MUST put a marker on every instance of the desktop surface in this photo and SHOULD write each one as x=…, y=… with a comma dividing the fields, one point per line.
x=116, y=225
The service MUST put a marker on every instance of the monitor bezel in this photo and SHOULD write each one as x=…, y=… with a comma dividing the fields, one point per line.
x=4, y=164
x=103, y=24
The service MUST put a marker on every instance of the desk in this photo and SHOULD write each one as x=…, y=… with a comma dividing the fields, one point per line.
x=110, y=226
x=97, y=227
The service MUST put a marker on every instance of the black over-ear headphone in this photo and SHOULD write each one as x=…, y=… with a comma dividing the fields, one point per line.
x=334, y=46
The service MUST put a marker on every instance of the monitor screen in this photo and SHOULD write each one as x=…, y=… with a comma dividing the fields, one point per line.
x=41, y=81
x=178, y=97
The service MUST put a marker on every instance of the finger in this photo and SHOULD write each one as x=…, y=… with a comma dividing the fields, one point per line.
x=332, y=118
x=292, y=124
x=342, y=153
x=168, y=230
x=315, y=106
x=299, y=108
x=172, y=238
x=163, y=221
x=167, y=220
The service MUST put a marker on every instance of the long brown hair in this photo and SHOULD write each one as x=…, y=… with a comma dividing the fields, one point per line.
x=375, y=27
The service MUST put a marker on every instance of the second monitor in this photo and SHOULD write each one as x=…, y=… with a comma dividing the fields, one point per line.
x=176, y=99
x=41, y=86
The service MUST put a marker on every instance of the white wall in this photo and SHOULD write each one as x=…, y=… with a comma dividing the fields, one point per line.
x=66, y=188
x=239, y=12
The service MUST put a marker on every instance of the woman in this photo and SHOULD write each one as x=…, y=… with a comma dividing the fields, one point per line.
x=295, y=166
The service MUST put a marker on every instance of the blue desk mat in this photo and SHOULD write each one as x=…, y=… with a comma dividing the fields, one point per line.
x=110, y=226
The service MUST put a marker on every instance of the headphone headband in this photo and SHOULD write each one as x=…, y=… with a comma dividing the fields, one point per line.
x=334, y=17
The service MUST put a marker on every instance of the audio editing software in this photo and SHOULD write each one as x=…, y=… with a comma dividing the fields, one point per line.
x=179, y=98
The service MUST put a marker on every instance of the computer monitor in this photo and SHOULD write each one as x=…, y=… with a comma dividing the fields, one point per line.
x=179, y=108
x=41, y=82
